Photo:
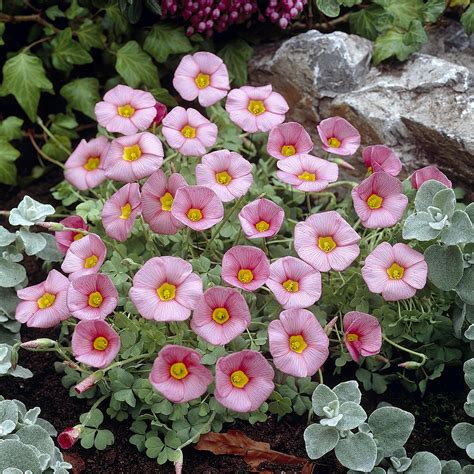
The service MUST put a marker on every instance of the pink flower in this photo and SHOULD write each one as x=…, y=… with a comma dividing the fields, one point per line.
x=157, y=198
x=307, y=173
x=133, y=157
x=189, y=132
x=125, y=110
x=85, y=166
x=198, y=207
x=178, y=374
x=261, y=218
x=220, y=315
x=288, y=139
x=381, y=158
x=427, y=173
x=88, y=382
x=161, y=112
x=298, y=344
x=121, y=210
x=245, y=267
x=326, y=241
x=95, y=343
x=256, y=109
x=396, y=272
x=294, y=283
x=338, y=136
x=64, y=238
x=165, y=289
x=69, y=437
x=244, y=380
x=227, y=173
x=379, y=201
x=92, y=297
x=202, y=75
x=84, y=257
x=362, y=334
x=44, y=305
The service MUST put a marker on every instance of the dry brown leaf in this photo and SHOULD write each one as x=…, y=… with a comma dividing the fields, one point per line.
x=236, y=443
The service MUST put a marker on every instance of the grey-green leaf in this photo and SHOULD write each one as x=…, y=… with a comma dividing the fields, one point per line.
x=321, y=398
x=459, y=231
x=358, y=452
x=445, y=265
x=33, y=243
x=426, y=193
x=353, y=416
x=463, y=434
x=445, y=200
x=15, y=453
x=320, y=440
x=424, y=462
x=417, y=226
x=11, y=274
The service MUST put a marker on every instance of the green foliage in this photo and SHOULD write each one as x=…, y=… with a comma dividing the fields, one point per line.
x=236, y=55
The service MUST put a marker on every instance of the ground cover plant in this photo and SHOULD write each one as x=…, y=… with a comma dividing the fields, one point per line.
x=211, y=265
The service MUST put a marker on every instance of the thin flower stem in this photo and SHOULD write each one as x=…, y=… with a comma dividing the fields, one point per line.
x=352, y=184
x=198, y=434
x=41, y=152
x=321, y=378
x=308, y=203
x=405, y=349
x=50, y=135
x=93, y=407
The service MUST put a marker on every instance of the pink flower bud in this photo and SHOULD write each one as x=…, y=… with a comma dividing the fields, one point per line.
x=410, y=365
x=41, y=343
x=161, y=109
x=342, y=163
x=55, y=226
x=69, y=437
x=89, y=382
x=330, y=326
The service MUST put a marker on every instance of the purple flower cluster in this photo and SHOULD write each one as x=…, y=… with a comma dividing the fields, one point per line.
x=284, y=11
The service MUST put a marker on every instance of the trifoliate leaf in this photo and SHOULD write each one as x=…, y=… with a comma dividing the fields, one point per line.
x=135, y=66
x=165, y=39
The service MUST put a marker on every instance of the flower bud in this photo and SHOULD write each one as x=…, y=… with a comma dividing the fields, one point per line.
x=410, y=365
x=89, y=382
x=330, y=326
x=54, y=226
x=14, y=356
x=38, y=344
x=69, y=437
x=342, y=163
x=161, y=109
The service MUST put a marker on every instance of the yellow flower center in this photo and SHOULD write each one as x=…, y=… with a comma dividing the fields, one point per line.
x=188, y=131
x=46, y=300
x=291, y=286
x=91, y=261
x=288, y=150
x=351, y=337
x=92, y=163
x=194, y=215
x=262, y=226
x=239, y=379
x=131, y=153
x=297, y=343
x=223, y=178
x=220, y=315
x=95, y=299
x=125, y=111
x=326, y=244
x=374, y=201
x=78, y=236
x=101, y=343
x=395, y=272
x=178, y=371
x=126, y=211
x=166, y=202
x=166, y=292
x=334, y=142
x=245, y=275
x=202, y=80
x=307, y=176
x=256, y=107
x=370, y=170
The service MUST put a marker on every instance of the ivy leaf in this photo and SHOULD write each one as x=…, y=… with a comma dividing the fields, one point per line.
x=24, y=77
x=10, y=128
x=403, y=12
x=330, y=8
x=467, y=19
x=90, y=35
x=67, y=51
x=8, y=154
x=236, y=55
x=433, y=10
x=82, y=95
x=165, y=39
x=135, y=66
x=368, y=22
x=2, y=30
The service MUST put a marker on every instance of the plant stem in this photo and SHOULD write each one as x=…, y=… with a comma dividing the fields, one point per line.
x=93, y=407
x=50, y=135
x=308, y=203
x=41, y=153
x=405, y=349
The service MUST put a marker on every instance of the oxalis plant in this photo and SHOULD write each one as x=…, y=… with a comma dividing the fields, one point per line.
x=212, y=265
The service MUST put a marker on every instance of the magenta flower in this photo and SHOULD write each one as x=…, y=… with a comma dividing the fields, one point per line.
x=381, y=158
x=203, y=76
x=298, y=344
x=92, y=297
x=178, y=374
x=427, y=173
x=244, y=380
x=84, y=257
x=294, y=283
x=379, y=201
x=95, y=343
x=44, y=305
x=85, y=166
x=261, y=218
x=362, y=334
x=64, y=238
x=125, y=110
x=69, y=437
x=256, y=109
x=288, y=139
x=220, y=315
x=161, y=112
x=198, y=207
x=121, y=210
x=189, y=132
x=165, y=289
x=307, y=173
x=227, y=173
x=133, y=157
x=245, y=267
x=158, y=194
x=326, y=241
x=396, y=272
x=338, y=136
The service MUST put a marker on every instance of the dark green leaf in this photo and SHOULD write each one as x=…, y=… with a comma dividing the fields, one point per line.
x=10, y=128
x=368, y=22
x=433, y=10
x=467, y=19
x=135, y=66
x=8, y=154
x=90, y=35
x=165, y=39
x=236, y=55
x=67, y=51
x=82, y=95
